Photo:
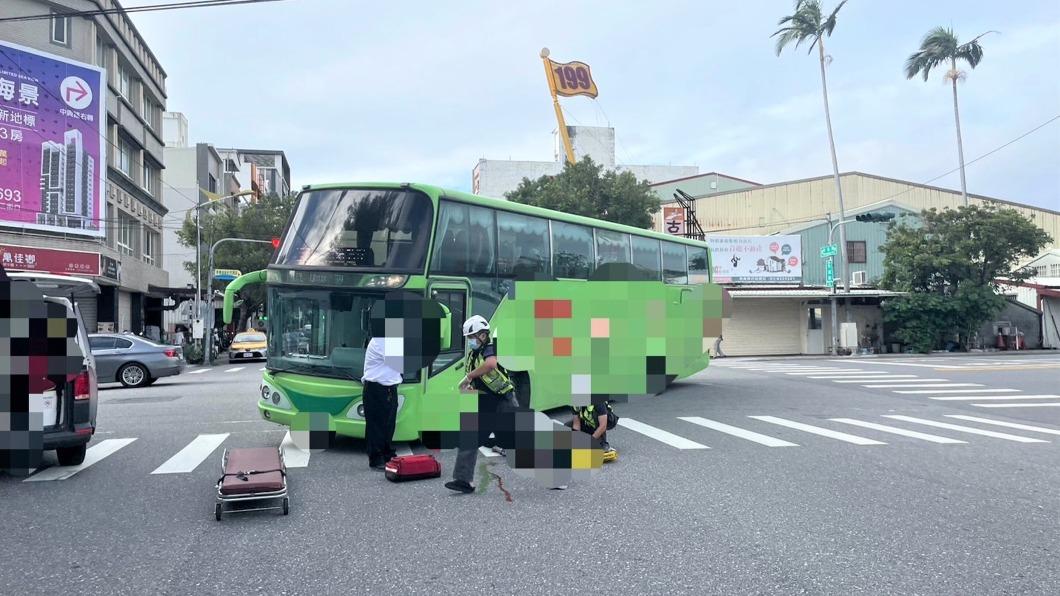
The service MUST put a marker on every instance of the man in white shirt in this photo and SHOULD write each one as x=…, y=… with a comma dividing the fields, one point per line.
x=382, y=375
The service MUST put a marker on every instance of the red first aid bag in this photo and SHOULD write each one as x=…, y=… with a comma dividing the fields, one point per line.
x=412, y=467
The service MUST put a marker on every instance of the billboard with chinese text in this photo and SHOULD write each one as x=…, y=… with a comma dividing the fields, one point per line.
x=49, y=260
x=756, y=259
x=674, y=220
x=52, y=147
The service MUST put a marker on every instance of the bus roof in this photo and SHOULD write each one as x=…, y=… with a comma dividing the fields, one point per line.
x=503, y=205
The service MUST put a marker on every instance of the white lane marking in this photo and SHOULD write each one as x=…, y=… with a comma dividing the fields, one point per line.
x=1048, y=405
x=960, y=391
x=293, y=457
x=922, y=385
x=94, y=454
x=189, y=458
x=993, y=397
x=848, y=373
x=898, y=431
x=236, y=369
x=966, y=429
x=902, y=378
x=816, y=430
x=659, y=434
x=199, y=372
x=486, y=452
x=800, y=369
x=907, y=364
x=1038, y=429
x=262, y=368
x=738, y=432
x=403, y=449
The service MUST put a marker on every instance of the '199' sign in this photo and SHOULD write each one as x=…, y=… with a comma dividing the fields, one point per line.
x=573, y=78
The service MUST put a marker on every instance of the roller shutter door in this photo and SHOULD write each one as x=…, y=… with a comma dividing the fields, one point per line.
x=763, y=326
x=89, y=310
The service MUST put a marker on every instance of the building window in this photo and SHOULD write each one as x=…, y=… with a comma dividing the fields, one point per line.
x=125, y=157
x=60, y=29
x=149, y=180
x=150, y=246
x=124, y=81
x=1054, y=270
x=856, y=251
x=212, y=184
x=125, y=233
x=147, y=108
x=101, y=53
x=814, y=319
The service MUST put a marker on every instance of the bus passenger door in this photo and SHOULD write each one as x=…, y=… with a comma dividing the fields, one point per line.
x=454, y=295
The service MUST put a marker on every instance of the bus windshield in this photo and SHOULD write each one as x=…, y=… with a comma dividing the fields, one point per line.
x=320, y=332
x=384, y=229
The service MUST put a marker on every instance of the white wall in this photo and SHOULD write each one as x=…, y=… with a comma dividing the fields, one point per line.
x=179, y=194
x=763, y=326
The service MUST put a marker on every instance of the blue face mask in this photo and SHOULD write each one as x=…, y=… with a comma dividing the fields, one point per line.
x=474, y=343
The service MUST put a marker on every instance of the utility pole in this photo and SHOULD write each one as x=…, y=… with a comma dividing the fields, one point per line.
x=207, y=356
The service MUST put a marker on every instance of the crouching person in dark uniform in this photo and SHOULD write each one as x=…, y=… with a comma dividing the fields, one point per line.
x=380, y=382
x=596, y=421
x=496, y=394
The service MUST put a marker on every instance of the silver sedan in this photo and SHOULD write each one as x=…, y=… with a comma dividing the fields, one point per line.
x=132, y=360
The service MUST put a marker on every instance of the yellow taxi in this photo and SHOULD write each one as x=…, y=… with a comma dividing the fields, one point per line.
x=248, y=345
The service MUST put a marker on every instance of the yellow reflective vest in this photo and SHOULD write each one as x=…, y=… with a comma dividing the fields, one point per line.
x=496, y=380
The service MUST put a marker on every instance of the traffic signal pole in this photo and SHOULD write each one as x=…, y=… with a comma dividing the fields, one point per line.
x=208, y=332
x=864, y=217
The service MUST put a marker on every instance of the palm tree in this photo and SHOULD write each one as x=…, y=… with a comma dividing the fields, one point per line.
x=940, y=45
x=807, y=24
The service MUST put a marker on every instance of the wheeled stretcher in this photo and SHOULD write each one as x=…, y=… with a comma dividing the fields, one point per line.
x=254, y=474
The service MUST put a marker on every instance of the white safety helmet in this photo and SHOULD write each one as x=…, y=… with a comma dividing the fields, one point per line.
x=475, y=324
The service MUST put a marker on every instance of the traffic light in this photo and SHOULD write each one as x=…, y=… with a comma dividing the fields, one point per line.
x=276, y=241
x=874, y=217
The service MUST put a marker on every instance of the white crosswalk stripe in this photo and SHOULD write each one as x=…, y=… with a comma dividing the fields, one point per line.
x=1016, y=425
x=236, y=369
x=837, y=373
x=965, y=429
x=992, y=397
x=262, y=368
x=403, y=449
x=898, y=431
x=816, y=430
x=199, y=372
x=293, y=456
x=94, y=455
x=738, y=432
x=922, y=385
x=189, y=458
x=659, y=434
x=1048, y=405
x=929, y=391
x=907, y=378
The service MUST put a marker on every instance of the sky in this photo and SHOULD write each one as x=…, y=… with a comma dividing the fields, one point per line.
x=415, y=91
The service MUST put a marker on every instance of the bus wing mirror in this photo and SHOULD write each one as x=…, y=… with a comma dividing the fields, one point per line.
x=447, y=328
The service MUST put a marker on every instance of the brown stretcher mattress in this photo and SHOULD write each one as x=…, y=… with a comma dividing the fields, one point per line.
x=253, y=470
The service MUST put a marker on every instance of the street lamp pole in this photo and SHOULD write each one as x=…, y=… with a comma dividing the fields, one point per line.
x=198, y=249
x=208, y=354
x=835, y=319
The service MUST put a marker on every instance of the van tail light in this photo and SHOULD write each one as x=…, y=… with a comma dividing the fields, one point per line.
x=82, y=386
x=171, y=353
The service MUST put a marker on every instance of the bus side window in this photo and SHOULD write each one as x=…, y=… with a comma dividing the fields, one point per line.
x=698, y=272
x=611, y=247
x=675, y=263
x=523, y=244
x=572, y=250
x=465, y=240
x=646, y=256
x=455, y=301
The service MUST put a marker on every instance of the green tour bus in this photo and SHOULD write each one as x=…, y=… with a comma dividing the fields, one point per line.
x=579, y=307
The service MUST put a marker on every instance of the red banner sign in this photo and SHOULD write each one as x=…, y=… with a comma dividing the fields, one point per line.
x=674, y=220
x=49, y=260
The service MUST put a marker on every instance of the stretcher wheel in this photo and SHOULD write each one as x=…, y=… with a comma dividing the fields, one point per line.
x=286, y=503
x=217, y=511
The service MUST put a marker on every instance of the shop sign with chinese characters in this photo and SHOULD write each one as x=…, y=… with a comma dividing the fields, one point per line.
x=49, y=260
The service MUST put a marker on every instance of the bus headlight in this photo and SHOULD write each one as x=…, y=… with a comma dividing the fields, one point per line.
x=386, y=281
x=275, y=397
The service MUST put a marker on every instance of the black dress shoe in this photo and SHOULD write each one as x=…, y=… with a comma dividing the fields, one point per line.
x=459, y=486
x=377, y=466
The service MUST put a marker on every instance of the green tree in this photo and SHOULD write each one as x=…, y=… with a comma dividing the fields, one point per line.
x=808, y=24
x=941, y=46
x=260, y=220
x=948, y=263
x=583, y=188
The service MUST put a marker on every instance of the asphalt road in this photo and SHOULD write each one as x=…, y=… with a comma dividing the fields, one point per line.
x=735, y=481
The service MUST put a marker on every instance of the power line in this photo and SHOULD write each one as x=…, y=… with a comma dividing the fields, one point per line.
x=132, y=9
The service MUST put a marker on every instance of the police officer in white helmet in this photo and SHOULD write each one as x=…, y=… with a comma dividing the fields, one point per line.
x=496, y=391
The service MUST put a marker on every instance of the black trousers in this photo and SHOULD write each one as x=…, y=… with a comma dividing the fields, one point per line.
x=380, y=416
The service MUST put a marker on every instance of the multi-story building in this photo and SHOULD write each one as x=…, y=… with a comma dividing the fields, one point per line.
x=266, y=170
x=193, y=173
x=128, y=251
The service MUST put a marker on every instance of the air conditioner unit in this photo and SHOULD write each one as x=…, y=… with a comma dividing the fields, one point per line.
x=859, y=278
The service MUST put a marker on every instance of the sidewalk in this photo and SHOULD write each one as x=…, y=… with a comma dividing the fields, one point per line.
x=939, y=354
